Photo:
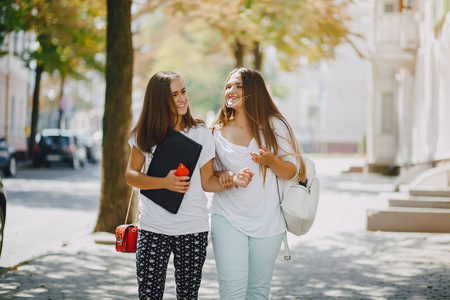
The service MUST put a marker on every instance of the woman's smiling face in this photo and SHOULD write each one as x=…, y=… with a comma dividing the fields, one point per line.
x=179, y=94
x=234, y=91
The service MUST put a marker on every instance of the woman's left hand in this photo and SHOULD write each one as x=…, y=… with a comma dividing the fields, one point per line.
x=226, y=179
x=265, y=157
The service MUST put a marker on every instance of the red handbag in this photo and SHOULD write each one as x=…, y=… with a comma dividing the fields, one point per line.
x=126, y=234
x=126, y=238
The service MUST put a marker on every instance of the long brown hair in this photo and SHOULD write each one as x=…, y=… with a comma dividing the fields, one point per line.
x=260, y=108
x=159, y=112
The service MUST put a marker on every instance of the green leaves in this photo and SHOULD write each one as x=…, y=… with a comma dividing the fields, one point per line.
x=295, y=27
x=65, y=30
x=14, y=16
x=68, y=37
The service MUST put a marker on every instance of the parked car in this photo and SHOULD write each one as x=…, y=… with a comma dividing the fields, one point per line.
x=92, y=141
x=2, y=213
x=8, y=159
x=59, y=146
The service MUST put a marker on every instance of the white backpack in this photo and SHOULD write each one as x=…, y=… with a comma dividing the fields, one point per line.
x=299, y=203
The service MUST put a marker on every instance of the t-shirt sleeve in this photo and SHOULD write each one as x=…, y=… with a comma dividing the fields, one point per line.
x=285, y=150
x=132, y=141
x=207, y=141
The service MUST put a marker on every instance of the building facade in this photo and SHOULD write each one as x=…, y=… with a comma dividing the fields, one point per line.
x=15, y=90
x=410, y=90
x=410, y=104
x=326, y=103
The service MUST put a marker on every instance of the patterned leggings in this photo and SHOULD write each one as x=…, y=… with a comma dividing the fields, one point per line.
x=152, y=257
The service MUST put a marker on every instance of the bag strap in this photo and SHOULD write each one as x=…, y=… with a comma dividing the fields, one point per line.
x=129, y=205
x=287, y=253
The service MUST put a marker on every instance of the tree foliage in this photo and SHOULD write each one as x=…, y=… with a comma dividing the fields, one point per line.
x=163, y=42
x=14, y=16
x=295, y=27
x=67, y=35
x=67, y=32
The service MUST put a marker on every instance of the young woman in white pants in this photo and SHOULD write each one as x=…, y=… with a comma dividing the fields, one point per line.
x=247, y=225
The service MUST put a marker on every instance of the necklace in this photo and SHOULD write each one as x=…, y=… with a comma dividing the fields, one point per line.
x=237, y=125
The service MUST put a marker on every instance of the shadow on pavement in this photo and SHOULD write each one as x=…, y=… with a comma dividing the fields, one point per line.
x=74, y=275
x=365, y=265
x=357, y=265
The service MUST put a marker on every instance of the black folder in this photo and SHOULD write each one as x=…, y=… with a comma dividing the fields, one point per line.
x=176, y=148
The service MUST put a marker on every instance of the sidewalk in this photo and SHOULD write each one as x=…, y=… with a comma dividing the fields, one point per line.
x=338, y=258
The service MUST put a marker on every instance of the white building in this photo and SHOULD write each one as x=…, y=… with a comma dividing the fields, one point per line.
x=326, y=104
x=14, y=90
x=409, y=126
x=410, y=93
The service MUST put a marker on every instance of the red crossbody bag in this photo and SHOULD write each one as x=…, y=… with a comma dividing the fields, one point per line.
x=126, y=234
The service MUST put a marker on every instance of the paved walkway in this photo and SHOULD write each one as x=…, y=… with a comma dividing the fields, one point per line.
x=337, y=259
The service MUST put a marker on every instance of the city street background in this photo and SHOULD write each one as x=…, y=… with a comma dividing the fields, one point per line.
x=52, y=213
x=350, y=77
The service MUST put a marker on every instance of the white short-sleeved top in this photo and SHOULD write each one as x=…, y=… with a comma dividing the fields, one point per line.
x=254, y=210
x=192, y=217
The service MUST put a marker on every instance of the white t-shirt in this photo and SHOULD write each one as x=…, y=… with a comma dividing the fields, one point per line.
x=254, y=210
x=192, y=217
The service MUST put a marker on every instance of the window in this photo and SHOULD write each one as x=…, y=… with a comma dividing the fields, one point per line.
x=12, y=121
x=392, y=6
x=388, y=7
x=387, y=113
x=15, y=43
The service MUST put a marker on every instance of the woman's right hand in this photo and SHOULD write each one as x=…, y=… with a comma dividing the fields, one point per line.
x=179, y=184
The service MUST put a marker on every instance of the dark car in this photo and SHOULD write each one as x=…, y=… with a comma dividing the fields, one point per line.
x=56, y=146
x=2, y=213
x=8, y=159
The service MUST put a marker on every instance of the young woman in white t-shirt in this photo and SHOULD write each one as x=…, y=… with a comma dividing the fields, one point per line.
x=247, y=224
x=161, y=232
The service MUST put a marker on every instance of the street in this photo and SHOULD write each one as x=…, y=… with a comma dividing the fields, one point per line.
x=52, y=211
x=46, y=208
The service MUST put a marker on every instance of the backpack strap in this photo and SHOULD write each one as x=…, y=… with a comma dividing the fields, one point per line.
x=287, y=253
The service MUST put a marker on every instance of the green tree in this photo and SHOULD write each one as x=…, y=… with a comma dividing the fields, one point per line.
x=295, y=27
x=68, y=42
x=163, y=42
x=14, y=16
x=67, y=37
x=117, y=116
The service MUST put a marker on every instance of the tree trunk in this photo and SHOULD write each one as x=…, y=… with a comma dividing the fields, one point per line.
x=35, y=110
x=239, y=54
x=258, y=56
x=115, y=193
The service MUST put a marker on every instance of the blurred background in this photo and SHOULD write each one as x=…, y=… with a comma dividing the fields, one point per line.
x=365, y=85
x=352, y=77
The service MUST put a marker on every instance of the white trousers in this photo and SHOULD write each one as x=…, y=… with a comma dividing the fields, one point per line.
x=244, y=264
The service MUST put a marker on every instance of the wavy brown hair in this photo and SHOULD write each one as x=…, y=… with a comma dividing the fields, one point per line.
x=260, y=108
x=159, y=112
